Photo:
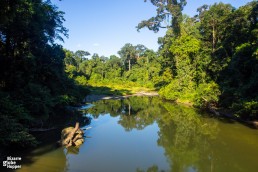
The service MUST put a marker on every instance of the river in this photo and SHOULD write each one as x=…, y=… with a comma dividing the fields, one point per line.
x=146, y=134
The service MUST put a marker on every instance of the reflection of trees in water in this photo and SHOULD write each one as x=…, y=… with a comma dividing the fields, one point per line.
x=186, y=137
x=134, y=112
x=184, y=134
x=153, y=168
x=102, y=107
x=143, y=112
x=69, y=152
x=42, y=158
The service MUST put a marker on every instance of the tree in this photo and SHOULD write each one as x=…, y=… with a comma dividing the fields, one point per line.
x=165, y=9
x=80, y=54
x=69, y=58
x=114, y=67
x=39, y=23
x=213, y=25
x=128, y=55
x=35, y=87
x=165, y=55
x=238, y=79
x=140, y=49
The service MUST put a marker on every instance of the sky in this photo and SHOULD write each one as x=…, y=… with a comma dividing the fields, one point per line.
x=105, y=26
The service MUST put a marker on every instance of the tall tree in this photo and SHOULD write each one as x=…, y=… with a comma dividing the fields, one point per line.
x=238, y=79
x=212, y=27
x=140, y=49
x=170, y=10
x=69, y=58
x=31, y=66
x=128, y=55
x=212, y=23
x=114, y=65
x=80, y=54
x=39, y=23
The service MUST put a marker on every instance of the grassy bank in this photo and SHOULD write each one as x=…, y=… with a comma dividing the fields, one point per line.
x=117, y=88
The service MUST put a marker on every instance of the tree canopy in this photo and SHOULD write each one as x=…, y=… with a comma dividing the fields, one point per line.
x=169, y=12
x=33, y=84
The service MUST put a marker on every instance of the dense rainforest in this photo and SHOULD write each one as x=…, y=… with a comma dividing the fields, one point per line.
x=34, y=88
x=208, y=59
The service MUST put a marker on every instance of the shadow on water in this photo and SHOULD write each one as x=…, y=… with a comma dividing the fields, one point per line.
x=229, y=118
x=49, y=155
x=49, y=148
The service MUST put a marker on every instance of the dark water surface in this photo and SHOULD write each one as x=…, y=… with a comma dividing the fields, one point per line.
x=143, y=134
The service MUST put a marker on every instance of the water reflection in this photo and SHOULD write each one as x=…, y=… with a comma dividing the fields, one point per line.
x=146, y=134
x=183, y=133
x=46, y=158
x=186, y=138
x=153, y=168
x=134, y=112
x=72, y=150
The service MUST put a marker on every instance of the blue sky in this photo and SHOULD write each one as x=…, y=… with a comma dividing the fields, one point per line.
x=104, y=26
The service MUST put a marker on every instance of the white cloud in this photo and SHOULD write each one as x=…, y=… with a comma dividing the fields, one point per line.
x=79, y=45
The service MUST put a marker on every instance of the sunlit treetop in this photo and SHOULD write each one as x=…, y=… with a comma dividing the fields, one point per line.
x=169, y=15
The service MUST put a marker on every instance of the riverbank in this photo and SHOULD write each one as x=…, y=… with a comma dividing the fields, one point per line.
x=95, y=97
x=229, y=115
x=120, y=88
x=219, y=113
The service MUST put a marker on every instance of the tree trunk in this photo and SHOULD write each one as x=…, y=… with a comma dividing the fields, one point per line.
x=72, y=136
x=213, y=37
x=129, y=64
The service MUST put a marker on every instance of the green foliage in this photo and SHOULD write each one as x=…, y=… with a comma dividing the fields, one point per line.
x=128, y=55
x=172, y=91
x=189, y=71
x=166, y=10
x=239, y=80
x=214, y=59
x=71, y=71
x=246, y=110
x=206, y=62
x=199, y=95
x=97, y=71
x=118, y=87
x=66, y=99
x=34, y=87
x=199, y=58
x=14, y=121
x=206, y=93
x=81, y=80
x=213, y=23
